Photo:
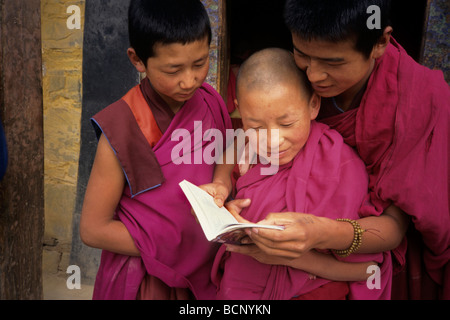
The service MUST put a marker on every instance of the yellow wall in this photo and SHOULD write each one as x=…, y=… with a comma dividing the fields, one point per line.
x=62, y=89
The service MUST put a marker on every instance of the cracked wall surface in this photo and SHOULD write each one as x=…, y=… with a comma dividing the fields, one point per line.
x=62, y=58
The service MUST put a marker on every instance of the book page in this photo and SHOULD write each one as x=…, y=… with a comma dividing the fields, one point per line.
x=218, y=224
x=212, y=218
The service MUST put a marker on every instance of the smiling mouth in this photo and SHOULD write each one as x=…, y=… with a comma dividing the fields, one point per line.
x=320, y=88
x=277, y=155
x=184, y=95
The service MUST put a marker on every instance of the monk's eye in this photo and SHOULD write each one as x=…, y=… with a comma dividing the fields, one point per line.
x=335, y=64
x=199, y=65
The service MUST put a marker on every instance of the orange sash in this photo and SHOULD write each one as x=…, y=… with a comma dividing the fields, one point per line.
x=144, y=116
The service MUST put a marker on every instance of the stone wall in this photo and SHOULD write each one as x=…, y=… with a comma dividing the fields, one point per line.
x=62, y=92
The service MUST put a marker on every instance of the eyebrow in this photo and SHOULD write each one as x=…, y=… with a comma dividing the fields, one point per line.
x=319, y=58
x=202, y=58
x=279, y=118
x=253, y=120
x=284, y=117
x=169, y=65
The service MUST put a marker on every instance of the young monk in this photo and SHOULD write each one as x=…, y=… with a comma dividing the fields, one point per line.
x=318, y=173
x=395, y=113
x=134, y=208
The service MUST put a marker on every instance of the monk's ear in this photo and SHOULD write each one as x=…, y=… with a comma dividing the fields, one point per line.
x=380, y=47
x=236, y=104
x=314, y=105
x=136, y=61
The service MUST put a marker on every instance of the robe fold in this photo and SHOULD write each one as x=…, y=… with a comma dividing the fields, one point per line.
x=401, y=131
x=326, y=178
x=153, y=208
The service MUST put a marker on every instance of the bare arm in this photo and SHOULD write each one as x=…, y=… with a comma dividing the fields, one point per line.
x=304, y=232
x=323, y=265
x=317, y=264
x=328, y=267
x=221, y=186
x=97, y=227
x=385, y=232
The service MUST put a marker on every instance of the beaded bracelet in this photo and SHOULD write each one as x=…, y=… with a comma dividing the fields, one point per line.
x=357, y=239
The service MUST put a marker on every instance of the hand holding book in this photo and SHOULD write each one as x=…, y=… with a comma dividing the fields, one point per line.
x=218, y=224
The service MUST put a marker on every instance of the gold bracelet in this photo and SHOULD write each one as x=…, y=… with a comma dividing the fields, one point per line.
x=357, y=238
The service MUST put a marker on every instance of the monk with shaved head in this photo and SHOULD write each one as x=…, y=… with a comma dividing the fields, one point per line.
x=269, y=68
x=273, y=94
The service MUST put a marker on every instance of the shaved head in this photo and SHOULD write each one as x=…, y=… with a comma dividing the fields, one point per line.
x=269, y=68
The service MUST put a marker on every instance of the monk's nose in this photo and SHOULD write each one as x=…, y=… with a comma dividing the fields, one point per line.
x=315, y=73
x=188, y=82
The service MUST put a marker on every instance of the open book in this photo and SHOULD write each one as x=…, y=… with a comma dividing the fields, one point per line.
x=218, y=224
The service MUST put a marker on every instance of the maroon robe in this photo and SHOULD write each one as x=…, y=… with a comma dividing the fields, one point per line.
x=173, y=248
x=401, y=131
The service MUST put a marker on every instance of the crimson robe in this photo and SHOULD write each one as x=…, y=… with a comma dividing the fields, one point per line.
x=153, y=208
x=326, y=178
x=401, y=131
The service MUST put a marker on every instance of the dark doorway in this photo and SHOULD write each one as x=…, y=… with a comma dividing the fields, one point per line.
x=408, y=21
x=255, y=25
x=258, y=24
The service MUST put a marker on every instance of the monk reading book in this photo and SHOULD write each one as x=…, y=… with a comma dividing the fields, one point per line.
x=318, y=173
x=134, y=208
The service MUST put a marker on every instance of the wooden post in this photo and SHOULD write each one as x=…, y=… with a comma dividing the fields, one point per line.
x=21, y=191
x=219, y=58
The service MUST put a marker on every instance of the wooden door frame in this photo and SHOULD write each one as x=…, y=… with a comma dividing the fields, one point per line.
x=22, y=188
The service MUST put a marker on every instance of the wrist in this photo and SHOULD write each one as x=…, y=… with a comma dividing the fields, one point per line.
x=357, y=238
x=337, y=235
x=226, y=183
